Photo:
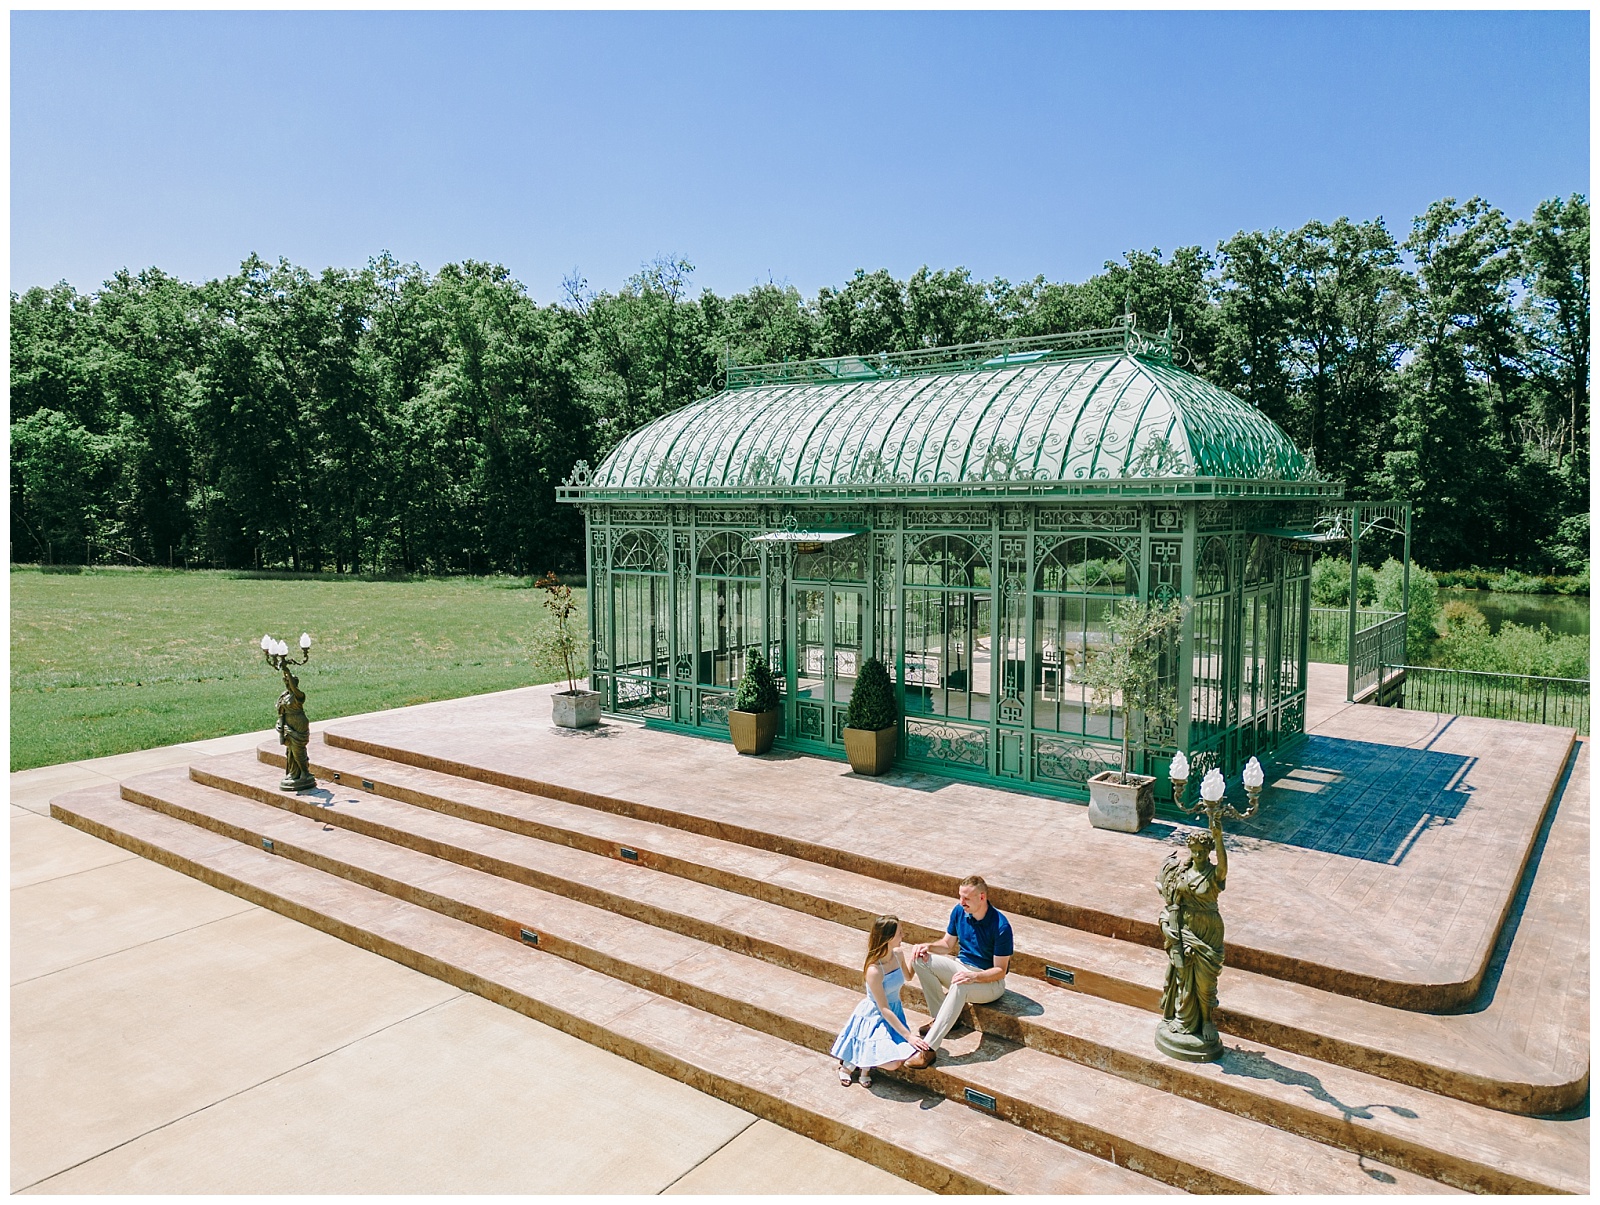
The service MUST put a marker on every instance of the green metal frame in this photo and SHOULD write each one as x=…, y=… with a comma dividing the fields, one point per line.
x=1015, y=446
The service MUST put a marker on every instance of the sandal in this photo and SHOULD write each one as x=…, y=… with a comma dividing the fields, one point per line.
x=866, y=1077
x=846, y=1074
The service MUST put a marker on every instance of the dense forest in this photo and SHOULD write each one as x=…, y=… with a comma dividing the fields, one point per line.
x=384, y=419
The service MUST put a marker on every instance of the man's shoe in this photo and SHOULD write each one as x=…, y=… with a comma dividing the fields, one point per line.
x=922, y=1030
x=921, y=1059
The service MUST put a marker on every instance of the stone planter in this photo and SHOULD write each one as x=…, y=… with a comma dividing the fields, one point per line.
x=575, y=708
x=752, y=731
x=1124, y=803
x=871, y=751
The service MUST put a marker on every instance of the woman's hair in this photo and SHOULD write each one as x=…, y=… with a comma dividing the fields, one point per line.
x=883, y=929
x=1201, y=837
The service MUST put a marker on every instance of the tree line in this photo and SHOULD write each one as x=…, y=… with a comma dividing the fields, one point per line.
x=387, y=419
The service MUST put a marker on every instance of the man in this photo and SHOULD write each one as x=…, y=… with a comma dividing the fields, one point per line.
x=981, y=939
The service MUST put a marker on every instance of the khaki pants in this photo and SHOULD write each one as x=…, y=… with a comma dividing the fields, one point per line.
x=945, y=1002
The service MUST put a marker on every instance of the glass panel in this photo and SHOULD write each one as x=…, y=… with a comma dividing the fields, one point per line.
x=810, y=642
x=639, y=610
x=1208, y=714
x=948, y=561
x=730, y=626
x=1076, y=586
x=729, y=554
x=948, y=653
x=848, y=612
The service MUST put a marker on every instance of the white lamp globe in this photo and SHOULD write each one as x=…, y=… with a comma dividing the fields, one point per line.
x=282, y=648
x=1212, y=786
x=266, y=644
x=305, y=643
x=1253, y=777
x=1180, y=767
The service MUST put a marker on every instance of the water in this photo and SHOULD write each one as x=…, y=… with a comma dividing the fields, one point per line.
x=1562, y=614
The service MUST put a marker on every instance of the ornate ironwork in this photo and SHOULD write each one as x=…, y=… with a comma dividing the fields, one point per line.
x=1072, y=762
x=953, y=744
x=1012, y=420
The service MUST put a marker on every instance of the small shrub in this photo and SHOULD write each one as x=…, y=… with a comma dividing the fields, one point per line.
x=1512, y=582
x=872, y=702
x=1422, y=617
x=757, y=691
x=561, y=645
x=1576, y=584
x=1330, y=583
x=1135, y=668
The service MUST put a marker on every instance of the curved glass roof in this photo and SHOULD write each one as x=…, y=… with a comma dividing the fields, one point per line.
x=1107, y=415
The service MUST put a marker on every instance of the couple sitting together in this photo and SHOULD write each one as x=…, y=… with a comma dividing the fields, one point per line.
x=877, y=1035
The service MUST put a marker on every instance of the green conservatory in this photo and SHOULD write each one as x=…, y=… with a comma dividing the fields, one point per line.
x=970, y=515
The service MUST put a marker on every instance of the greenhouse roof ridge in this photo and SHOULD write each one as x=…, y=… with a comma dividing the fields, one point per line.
x=959, y=357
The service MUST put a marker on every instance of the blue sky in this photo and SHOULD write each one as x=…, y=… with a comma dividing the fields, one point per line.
x=795, y=146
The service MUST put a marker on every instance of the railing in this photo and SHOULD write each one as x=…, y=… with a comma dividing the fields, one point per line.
x=1377, y=647
x=961, y=357
x=1330, y=631
x=1560, y=701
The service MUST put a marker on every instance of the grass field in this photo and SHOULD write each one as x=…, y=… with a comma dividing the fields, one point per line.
x=110, y=660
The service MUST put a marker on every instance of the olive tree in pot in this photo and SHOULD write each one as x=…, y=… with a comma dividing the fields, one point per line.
x=872, y=722
x=1127, y=673
x=574, y=707
x=753, y=722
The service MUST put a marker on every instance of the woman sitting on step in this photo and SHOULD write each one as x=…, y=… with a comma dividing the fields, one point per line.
x=876, y=1035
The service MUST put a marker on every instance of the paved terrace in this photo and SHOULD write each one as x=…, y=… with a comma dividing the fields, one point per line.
x=1381, y=864
x=132, y=984
x=168, y=1037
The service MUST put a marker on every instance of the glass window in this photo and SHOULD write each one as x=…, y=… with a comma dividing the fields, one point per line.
x=729, y=582
x=949, y=625
x=1076, y=586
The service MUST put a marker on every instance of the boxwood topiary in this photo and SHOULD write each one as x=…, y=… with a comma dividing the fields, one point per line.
x=872, y=704
x=757, y=691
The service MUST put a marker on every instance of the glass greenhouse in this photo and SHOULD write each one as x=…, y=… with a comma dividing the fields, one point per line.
x=969, y=515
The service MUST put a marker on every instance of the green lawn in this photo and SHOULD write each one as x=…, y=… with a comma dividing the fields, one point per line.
x=110, y=660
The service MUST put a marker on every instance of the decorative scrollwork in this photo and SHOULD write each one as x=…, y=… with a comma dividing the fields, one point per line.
x=1070, y=762
x=580, y=476
x=953, y=744
x=1159, y=457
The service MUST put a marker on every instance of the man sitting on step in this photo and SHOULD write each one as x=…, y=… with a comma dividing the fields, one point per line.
x=981, y=939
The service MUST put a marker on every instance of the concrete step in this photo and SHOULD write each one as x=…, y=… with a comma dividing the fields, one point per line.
x=1194, y=1147
x=894, y=1126
x=1439, y=1054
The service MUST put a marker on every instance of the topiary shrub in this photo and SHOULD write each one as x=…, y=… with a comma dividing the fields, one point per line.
x=757, y=691
x=872, y=703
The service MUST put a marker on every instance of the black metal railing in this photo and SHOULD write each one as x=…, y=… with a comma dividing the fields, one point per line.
x=1563, y=702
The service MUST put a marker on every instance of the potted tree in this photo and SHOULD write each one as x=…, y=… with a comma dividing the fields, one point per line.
x=1128, y=672
x=872, y=722
x=574, y=707
x=753, y=722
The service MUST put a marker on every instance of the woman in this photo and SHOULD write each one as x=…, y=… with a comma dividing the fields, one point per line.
x=876, y=1035
x=1192, y=928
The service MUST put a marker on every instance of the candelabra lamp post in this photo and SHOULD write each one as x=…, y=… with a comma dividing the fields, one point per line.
x=294, y=730
x=1191, y=924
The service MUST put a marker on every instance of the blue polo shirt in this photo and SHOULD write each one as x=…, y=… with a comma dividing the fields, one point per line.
x=982, y=941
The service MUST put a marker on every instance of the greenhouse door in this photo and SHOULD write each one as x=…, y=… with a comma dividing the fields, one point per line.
x=829, y=627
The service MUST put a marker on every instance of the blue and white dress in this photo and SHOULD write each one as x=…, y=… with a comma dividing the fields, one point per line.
x=867, y=1040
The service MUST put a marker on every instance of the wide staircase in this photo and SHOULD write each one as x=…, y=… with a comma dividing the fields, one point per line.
x=731, y=968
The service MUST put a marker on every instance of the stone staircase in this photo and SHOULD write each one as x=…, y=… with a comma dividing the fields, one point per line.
x=732, y=967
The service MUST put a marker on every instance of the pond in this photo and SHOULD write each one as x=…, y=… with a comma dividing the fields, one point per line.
x=1563, y=614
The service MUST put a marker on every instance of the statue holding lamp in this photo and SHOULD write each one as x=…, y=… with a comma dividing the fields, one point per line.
x=294, y=730
x=1191, y=884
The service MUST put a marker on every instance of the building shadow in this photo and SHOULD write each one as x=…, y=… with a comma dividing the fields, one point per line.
x=1358, y=799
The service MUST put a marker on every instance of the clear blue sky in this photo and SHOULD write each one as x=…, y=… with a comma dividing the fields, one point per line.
x=798, y=146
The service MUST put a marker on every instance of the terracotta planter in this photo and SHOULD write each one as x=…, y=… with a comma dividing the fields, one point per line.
x=575, y=708
x=1124, y=803
x=752, y=731
x=871, y=752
